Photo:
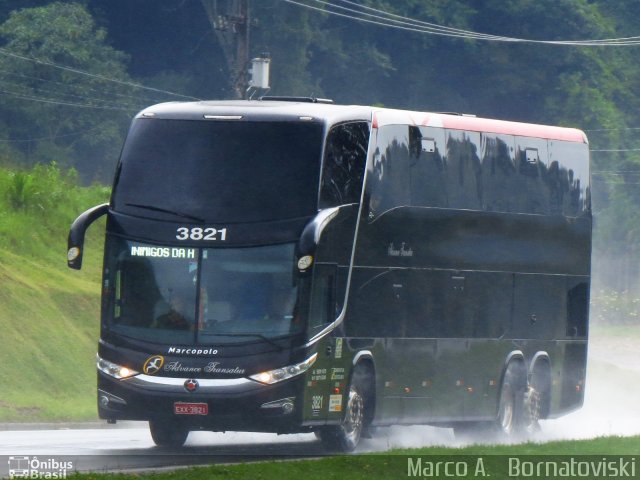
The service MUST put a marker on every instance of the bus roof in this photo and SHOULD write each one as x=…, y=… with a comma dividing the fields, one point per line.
x=331, y=114
x=383, y=117
x=258, y=110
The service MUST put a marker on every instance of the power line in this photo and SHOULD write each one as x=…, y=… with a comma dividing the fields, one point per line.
x=471, y=34
x=46, y=91
x=435, y=29
x=412, y=22
x=618, y=150
x=418, y=29
x=51, y=137
x=389, y=15
x=612, y=129
x=92, y=75
x=57, y=102
x=86, y=87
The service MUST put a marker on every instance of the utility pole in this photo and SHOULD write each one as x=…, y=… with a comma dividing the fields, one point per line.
x=231, y=23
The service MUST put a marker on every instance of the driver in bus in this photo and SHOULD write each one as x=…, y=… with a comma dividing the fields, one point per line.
x=174, y=319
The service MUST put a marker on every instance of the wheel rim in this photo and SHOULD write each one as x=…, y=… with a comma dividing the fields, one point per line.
x=532, y=407
x=354, y=416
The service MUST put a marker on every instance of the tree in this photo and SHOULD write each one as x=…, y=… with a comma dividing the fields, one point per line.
x=52, y=111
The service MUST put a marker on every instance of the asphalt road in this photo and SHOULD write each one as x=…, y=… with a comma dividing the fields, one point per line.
x=129, y=447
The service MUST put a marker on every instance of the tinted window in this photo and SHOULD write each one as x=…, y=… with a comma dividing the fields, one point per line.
x=151, y=291
x=344, y=160
x=247, y=291
x=495, y=173
x=389, y=177
x=533, y=190
x=220, y=171
x=428, y=188
x=187, y=295
x=463, y=175
x=499, y=174
x=568, y=178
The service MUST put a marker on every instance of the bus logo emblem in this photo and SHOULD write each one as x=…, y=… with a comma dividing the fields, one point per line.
x=153, y=364
x=191, y=385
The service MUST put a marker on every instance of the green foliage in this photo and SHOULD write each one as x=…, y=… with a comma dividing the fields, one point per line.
x=613, y=307
x=48, y=313
x=51, y=113
x=37, y=207
x=20, y=189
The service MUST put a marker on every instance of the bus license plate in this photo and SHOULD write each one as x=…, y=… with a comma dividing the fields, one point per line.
x=183, y=408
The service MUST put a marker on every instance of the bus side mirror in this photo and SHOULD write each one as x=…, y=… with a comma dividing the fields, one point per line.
x=311, y=234
x=75, y=242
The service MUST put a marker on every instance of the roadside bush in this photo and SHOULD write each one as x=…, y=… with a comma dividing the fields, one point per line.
x=38, y=205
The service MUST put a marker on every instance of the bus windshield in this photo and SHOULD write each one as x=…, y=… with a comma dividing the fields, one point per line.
x=175, y=295
x=220, y=171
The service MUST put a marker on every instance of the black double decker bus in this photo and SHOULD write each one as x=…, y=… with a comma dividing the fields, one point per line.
x=294, y=266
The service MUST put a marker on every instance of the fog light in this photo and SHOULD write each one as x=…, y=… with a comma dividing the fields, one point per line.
x=287, y=408
x=107, y=400
x=284, y=404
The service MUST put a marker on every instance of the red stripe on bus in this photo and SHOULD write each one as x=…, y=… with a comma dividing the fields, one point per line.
x=512, y=128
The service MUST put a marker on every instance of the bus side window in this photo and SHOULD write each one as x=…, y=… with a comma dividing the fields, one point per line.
x=389, y=176
x=428, y=185
x=499, y=174
x=577, y=310
x=463, y=172
x=323, y=297
x=569, y=178
x=532, y=162
x=343, y=167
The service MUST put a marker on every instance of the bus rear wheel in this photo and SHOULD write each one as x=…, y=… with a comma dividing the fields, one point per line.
x=537, y=397
x=168, y=434
x=345, y=437
x=510, y=422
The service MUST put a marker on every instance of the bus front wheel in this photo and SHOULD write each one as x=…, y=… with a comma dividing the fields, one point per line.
x=168, y=434
x=345, y=437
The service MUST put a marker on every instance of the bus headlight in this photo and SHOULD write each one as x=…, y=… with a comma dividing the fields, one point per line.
x=114, y=370
x=279, y=374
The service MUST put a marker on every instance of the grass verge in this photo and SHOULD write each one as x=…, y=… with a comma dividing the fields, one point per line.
x=494, y=463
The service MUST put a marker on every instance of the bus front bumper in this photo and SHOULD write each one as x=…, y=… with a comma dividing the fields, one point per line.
x=235, y=404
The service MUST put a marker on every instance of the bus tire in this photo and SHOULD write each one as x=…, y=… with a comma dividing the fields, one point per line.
x=537, y=397
x=346, y=436
x=168, y=434
x=510, y=422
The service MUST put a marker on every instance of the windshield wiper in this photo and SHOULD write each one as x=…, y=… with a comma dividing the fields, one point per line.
x=164, y=210
x=258, y=335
